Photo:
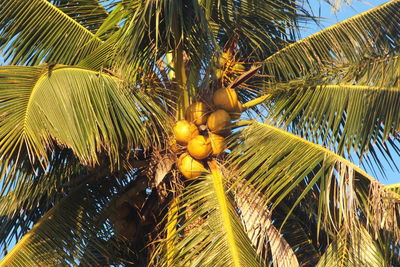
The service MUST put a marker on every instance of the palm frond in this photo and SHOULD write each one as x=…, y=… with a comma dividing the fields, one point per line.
x=31, y=191
x=42, y=32
x=89, y=13
x=357, y=249
x=261, y=27
x=347, y=118
x=259, y=226
x=368, y=34
x=300, y=231
x=382, y=71
x=103, y=56
x=394, y=187
x=212, y=234
x=62, y=235
x=282, y=162
x=87, y=111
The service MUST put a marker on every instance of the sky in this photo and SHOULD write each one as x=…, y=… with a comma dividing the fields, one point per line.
x=323, y=10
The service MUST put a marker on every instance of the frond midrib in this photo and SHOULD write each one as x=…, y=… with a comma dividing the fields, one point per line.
x=72, y=20
x=321, y=148
x=42, y=77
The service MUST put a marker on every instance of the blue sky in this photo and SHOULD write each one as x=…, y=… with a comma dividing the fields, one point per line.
x=323, y=10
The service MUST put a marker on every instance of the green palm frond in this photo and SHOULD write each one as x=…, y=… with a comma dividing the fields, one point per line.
x=35, y=31
x=368, y=34
x=102, y=56
x=261, y=27
x=257, y=220
x=62, y=235
x=394, y=187
x=300, y=232
x=345, y=117
x=283, y=162
x=212, y=234
x=357, y=249
x=87, y=111
x=89, y=13
x=372, y=71
x=31, y=191
x=207, y=26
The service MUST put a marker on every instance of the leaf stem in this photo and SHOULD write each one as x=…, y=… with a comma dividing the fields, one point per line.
x=255, y=102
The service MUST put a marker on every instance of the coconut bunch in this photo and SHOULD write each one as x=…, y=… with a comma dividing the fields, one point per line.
x=202, y=133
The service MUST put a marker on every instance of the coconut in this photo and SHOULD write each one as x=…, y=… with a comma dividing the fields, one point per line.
x=226, y=98
x=189, y=167
x=184, y=131
x=199, y=147
x=218, y=120
x=197, y=113
x=218, y=144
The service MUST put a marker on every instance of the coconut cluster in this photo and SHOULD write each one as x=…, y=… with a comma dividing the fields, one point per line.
x=203, y=131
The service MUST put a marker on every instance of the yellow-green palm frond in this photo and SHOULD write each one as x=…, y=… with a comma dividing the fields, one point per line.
x=75, y=230
x=356, y=249
x=258, y=222
x=31, y=191
x=87, y=111
x=278, y=163
x=366, y=35
x=394, y=187
x=35, y=31
x=89, y=13
x=251, y=23
x=382, y=71
x=346, y=118
x=104, y=55
x=212, y=234
x=300, y=230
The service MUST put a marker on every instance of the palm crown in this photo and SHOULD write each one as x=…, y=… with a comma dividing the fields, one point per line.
x=89, y=164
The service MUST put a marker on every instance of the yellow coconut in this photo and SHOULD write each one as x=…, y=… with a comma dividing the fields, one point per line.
x=226, y=98
x=184, y=131
x=197, y=113
x=218, y=144
x=189, y=167
x=199, y=147
x=218, y=120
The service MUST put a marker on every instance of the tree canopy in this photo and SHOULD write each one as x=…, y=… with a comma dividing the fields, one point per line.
x=94, y=170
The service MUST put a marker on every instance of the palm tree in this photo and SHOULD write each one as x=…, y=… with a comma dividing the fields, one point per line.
x=89, y=172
